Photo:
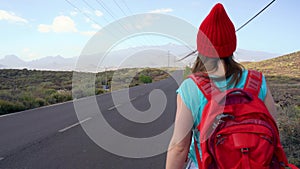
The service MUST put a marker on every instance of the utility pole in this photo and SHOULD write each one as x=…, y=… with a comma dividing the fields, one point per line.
x=105, y=86
x=105, y=76
x=174, y=63
x=168, y=58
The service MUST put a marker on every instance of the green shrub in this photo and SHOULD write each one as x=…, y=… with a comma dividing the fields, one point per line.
x=28, y=100
x=145, y=79
x=40, y=102
x=10, y=107
x=59, y=97
x=48, y=92
x=99, y=91
x=289, y=128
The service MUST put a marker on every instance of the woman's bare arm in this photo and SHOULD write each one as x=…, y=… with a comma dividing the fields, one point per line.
x=181, y=139
x=270, y=104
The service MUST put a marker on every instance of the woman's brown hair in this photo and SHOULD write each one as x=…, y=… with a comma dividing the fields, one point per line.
x=232, y=68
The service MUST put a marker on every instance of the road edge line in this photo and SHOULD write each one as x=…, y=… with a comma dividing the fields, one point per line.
x=74, y=125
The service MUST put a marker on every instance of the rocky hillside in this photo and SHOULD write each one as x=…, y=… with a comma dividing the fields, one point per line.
x=287, y=65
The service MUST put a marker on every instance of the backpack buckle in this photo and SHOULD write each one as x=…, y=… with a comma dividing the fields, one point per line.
x=221, y=116
x=244, y=150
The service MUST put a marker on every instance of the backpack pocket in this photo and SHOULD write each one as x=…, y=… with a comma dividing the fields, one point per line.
x=244, y=147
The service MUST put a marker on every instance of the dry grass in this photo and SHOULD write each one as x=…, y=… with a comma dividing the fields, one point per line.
x=287, y=65
x=283, y=78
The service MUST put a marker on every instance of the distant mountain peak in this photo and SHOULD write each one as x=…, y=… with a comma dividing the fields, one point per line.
x=12, y=57
x=57, y=56
x=12, y=60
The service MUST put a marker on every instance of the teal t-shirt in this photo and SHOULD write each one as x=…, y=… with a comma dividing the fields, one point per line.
x=195, y=101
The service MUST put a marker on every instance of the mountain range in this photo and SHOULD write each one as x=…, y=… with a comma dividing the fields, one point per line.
x=146, y=56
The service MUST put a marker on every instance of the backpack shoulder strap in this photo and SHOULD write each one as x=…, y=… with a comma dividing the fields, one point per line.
x=253, y=82
x=207, y=87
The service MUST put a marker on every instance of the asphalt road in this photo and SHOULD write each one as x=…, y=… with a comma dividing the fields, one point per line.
x=52, y=137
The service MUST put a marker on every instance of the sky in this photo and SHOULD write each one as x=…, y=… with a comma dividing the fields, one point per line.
x=32, y=29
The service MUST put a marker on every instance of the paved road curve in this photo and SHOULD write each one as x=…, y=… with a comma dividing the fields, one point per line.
x=51, y=137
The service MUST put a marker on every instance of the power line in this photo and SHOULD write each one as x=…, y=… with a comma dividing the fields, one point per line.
x=255, y=16
x=149, y=41
x=107, y=10
x=120, y=8
x=130, y=11
x=110, y=13
x=104, y=7
x=145, y=39
x=86, y=15
x=188, y=55
x=89, y=5
x=102, y=4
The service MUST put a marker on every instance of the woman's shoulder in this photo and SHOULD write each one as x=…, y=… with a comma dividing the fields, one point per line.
x=263, y=87
x=245, y=73
x=188, y=83
x=188, y=88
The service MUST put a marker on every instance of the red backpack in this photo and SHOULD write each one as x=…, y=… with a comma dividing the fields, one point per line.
x=236, y=129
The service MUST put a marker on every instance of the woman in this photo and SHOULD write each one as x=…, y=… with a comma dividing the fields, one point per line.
x=216, y=42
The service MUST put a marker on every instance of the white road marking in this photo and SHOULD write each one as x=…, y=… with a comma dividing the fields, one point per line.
x=113, y=107
x=118, y=105
x=73, y=125
x=1, y=158
x=133, y=98
x=5, y=115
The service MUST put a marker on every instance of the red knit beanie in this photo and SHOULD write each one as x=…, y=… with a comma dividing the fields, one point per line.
x=216, y=36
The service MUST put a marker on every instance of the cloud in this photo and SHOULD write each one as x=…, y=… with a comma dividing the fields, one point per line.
x=92, y=32
x=87, y=20
x=26, y=50
x=73, y=13
x=10, y=16
x=96, y=26
x=162, y=10
x=59, y=24
x=87, y=12
x=44, y=28
x=88, y=33
x=98, y=13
